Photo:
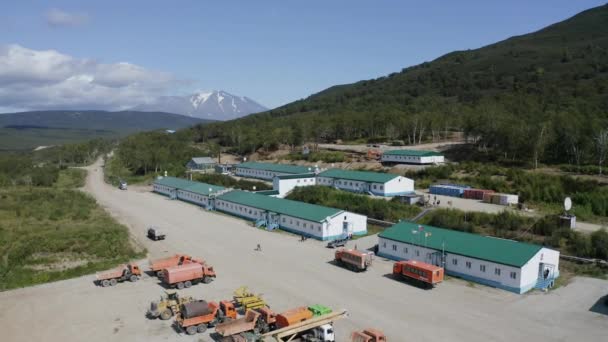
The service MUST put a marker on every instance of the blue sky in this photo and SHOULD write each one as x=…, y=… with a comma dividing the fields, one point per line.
x=271, y=51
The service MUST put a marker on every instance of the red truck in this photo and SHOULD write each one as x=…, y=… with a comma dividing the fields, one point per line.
x=418, y=272
x=199, y=315
x=129, y=272
x=368, y=335
x=157, y=266
x=354, y=259
x=187, y=275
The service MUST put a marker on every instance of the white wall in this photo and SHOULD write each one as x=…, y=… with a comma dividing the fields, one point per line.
x=254, y=173
x=412, y=159
x=239, y=210
x=398, y=251
x=192, y=197
x=319, y=230
x=165, y=190
x=530, y=271
x=398, y=185
x=357, y=224
x=284, y=186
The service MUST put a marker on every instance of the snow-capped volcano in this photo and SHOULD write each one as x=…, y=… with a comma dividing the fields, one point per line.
x=215, y=105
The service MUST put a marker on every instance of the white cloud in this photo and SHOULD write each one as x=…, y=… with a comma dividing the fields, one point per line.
x=58, y=18
x=48, y=79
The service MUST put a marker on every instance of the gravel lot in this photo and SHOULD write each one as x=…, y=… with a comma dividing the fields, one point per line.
x=289, y=273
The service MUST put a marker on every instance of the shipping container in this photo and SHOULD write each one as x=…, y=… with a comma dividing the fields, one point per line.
x=446, y=190
x=476, y=193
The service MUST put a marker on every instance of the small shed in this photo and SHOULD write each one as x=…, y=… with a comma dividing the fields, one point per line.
x=411, y=199
x=201, y=163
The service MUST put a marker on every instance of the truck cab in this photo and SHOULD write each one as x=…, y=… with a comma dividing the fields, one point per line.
x=324, y=333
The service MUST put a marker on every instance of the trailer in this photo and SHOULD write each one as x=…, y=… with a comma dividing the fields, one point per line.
x=418, y=272
x=129, y=272
x=353, y=259
x=158, y=265
x=187, y=275
x=316, y=329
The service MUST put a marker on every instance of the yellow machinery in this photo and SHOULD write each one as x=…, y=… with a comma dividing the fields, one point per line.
x=248, y=300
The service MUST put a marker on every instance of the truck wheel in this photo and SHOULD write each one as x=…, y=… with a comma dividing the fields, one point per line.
x=188, y=284
x=201, y=328
x=133, y=278
x=113, y=282
x=180, y=285
x=166, y=314
x=191, y=330
x=159, y=274
x=207, y=280
x=105, y=283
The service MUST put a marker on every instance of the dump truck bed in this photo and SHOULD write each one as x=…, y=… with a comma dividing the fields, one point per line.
x=238, y=326
x=114, y=273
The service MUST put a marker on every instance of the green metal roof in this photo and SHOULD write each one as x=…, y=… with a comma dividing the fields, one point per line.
x=298, y=176
x=501, y=251
x=413, y=153
x=363, y=176
x=203, y=188
x=306, y=211
x=172, y=182
x=283, y=168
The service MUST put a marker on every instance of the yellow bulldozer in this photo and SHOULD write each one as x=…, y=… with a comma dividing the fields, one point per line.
x=168, y=306
x=246, y=300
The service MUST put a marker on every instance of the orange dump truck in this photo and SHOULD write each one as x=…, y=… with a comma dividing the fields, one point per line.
x=354, y=259
x=188, y=274
x=129, y=272
x=368, y=335
x=157, y=266
x=419, y=272
x=197, y=316
x=257, y=321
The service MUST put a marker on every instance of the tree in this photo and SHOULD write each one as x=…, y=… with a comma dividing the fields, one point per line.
x=601, y=146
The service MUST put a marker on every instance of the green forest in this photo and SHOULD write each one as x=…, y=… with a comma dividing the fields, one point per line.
x=536, y=98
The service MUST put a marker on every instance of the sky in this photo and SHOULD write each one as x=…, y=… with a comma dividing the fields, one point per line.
x=117, y=54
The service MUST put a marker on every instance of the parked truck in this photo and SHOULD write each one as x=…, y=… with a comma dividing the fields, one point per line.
x=154, y=233
x=186, y=275
x=168, y=306
x=300, y=323
x=196, y=317
x=129, y=272
x=157, y=266
x=368, y=335
x=418, y=272
x=354, y=259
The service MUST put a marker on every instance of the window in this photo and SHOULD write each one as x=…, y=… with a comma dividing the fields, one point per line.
x=513, y=275
x=394, y=247
x=405, y=250
x=298, y=223
x=374, y=186
x=384, y=244
x=283, y=220
x=417, y=253
x=468, y=263
x=304, y=225
x=497, y=271
x=319, y=228
x=454, y=261
x=381, y=187
x=482, y=268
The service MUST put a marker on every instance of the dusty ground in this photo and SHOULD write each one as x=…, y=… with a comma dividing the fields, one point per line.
x=289, y=273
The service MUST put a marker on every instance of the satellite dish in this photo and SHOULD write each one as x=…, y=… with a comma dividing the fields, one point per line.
x=567, y=203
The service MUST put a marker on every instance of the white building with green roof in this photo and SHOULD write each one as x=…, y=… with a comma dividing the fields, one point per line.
x=374, y=183
x=268, y=171
x=412, y=157
x=510, y=265
x=306, y=219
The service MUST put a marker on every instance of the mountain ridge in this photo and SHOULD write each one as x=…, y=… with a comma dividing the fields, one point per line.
x=215, y=105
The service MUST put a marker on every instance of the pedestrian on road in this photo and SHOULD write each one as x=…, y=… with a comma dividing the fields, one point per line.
x=258, y=248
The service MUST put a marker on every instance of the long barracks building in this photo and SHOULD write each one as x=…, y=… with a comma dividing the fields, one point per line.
x=306, y=219
x=510, y=265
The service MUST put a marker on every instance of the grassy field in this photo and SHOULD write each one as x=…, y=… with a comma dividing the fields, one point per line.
x=49, y=234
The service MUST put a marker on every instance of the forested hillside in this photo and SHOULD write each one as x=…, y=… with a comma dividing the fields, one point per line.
x=542, y=96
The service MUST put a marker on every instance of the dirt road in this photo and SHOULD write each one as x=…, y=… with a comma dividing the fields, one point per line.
x=289, y=273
